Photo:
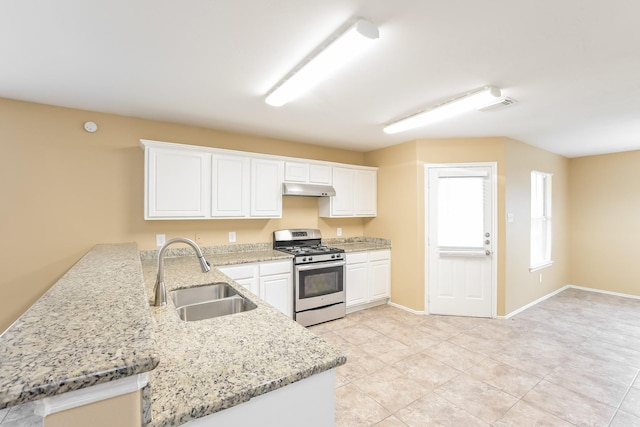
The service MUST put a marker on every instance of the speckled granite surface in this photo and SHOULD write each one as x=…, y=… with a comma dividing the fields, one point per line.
x=94, y=325
x=213, y=364
x=359, y=244
x=91, y=327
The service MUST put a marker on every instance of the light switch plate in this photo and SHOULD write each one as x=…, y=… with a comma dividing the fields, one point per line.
x=232, y=236
x=339, y=232
x=160, y=240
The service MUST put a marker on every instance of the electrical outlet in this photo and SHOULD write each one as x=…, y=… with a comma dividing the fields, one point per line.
x=160, y=239
x=232, y=236
x=339, y=232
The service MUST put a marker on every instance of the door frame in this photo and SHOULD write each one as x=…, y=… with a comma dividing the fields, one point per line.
x=494, y=225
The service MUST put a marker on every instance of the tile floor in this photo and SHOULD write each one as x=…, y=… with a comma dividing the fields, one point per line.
x=571, y=360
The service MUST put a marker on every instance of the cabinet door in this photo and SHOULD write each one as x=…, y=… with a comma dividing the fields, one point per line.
x=296, y=172
x=365, y=193
x=230, y=186
x=277, y=290
x=245, y=275
x=176, y=183
x=379, y=279
x=356, y=283
x=266, y=188
x=343, y=183
x=319, y=174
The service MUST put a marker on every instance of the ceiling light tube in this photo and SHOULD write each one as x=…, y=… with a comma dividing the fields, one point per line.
x=329, y=58
x=474, y=100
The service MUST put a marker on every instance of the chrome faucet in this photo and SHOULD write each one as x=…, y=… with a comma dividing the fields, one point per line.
x=160, y=289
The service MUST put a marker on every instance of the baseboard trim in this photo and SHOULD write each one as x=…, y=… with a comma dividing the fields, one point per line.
x=600, y=291
x=410, y=310
x=531, y=304
x=565, y=287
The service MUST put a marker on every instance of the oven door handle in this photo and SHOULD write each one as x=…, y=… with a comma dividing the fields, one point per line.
x=320, y=265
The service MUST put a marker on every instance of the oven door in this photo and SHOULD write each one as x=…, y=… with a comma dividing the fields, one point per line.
x=318, y=285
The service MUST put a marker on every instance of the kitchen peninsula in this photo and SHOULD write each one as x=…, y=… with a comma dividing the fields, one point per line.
x=95, y=327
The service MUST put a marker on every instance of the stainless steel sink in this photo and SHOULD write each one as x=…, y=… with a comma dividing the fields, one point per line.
x=207, y=301
x=221, y=307
x=200, y=294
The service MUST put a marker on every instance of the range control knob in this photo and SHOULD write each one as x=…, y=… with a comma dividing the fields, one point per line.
x=310, y=259
x=304, y=259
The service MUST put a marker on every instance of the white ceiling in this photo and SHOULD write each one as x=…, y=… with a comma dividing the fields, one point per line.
x=572, y=65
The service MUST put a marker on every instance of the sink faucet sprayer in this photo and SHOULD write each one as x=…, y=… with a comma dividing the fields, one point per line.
x=160, y=289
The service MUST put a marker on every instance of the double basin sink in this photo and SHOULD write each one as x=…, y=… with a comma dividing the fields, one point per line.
x=207, y=301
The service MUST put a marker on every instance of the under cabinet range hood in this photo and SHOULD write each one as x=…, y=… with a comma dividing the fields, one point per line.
x=315, y=190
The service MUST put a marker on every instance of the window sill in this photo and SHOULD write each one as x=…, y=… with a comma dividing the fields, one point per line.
x=540, y=267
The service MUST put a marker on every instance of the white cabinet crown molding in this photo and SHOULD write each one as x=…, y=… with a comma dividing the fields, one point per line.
x=162, y=144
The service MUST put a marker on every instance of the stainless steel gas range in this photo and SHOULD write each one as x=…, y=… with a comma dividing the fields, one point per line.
x=319, y=275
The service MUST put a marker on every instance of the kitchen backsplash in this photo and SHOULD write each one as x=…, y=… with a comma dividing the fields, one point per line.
x=252, y=247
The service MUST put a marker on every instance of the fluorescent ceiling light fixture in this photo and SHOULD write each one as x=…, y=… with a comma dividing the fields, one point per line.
x=474, y=100
x=326, y=59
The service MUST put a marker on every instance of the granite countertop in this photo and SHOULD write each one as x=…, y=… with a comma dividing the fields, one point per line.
x=93, y=326
x=359, y=244
x=217, y=363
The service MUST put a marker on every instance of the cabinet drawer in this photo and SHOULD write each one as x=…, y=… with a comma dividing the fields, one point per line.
x=379, y=255
x=280, y=267
x=356, y=257
x=242, y=271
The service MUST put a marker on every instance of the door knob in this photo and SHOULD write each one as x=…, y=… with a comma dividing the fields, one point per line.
x=487, y=252
x=486, y=242
x=487, y=234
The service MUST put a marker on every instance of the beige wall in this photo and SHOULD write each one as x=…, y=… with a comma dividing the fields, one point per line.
x=63, y=190
x=401, y=194
x=524, y=286
x=605, y=222
x=398, y=219
x=402, y=216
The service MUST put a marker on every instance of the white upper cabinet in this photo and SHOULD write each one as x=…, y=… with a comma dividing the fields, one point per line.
x=356, y=193
x=230, y=186
x=176, y=184
x=266, y=188
x=193, y=182
x=366, y=193
x=307, y=173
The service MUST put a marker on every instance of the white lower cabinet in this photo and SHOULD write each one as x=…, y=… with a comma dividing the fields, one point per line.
x=245, y=275
x=270, y=280
x=368, y=278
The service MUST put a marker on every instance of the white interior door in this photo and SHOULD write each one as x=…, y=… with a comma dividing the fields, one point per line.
x=460, y=242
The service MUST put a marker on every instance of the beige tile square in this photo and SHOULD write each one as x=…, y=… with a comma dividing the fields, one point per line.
x=359, y=334
x=624, y=419
x=425, y=370
x=454, y=356
x=476, y=397
x=391, y=389
x=524, y=415
x=391, y=421
x=568, y=405
x=355, y=409
x=504, y=377
x=631, y=402
x=583, y=382
x=617, y=372
x=433, y=410
x=477, y=344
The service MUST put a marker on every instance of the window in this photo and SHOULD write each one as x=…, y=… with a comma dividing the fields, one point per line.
x=540, y=220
